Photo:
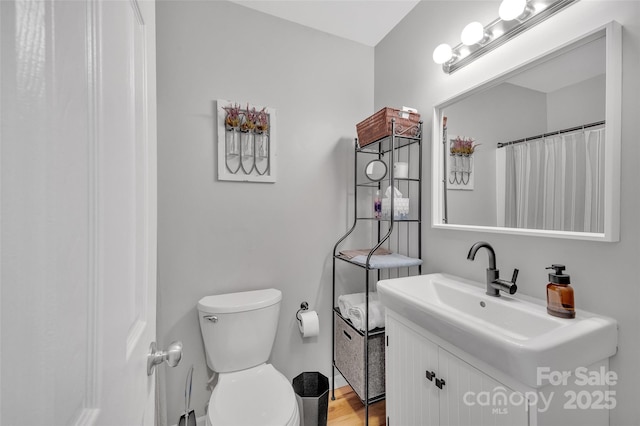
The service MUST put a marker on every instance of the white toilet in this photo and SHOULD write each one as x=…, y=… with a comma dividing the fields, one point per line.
x=238, y=330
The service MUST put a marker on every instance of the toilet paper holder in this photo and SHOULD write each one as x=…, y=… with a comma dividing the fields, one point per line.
x=304, y=306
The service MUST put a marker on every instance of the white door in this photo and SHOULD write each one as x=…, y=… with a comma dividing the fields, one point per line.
x=78, y=211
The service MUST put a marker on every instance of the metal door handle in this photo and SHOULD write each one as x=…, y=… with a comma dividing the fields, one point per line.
x=172, y=355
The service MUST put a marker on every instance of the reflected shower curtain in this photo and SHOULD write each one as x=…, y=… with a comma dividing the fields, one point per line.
x=557, y=182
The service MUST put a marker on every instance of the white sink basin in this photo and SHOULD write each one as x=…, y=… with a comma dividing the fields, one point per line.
x=511, y=333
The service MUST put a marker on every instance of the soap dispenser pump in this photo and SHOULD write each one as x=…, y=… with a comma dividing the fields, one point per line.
x=560, y=294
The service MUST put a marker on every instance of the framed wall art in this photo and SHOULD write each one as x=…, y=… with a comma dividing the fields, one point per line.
x=246, y=142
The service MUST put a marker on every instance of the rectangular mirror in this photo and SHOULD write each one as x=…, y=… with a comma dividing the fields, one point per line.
x=536, y=150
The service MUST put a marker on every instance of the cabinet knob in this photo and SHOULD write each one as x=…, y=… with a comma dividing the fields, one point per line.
x=440, y=383
x=430, y=375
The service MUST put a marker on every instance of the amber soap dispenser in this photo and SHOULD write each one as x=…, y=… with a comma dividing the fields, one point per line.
x=560, y=294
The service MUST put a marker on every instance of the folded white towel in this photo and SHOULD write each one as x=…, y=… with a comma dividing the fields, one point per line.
x=347, y=301
x=393, y=260
x=376, y=315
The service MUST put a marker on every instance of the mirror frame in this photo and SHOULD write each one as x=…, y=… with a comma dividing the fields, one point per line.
x=613, y=111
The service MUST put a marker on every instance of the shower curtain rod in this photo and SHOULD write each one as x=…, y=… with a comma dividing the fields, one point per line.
x=557, y=132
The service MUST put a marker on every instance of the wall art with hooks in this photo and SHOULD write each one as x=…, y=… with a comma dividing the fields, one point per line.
x=461, y=163
x=246, y=142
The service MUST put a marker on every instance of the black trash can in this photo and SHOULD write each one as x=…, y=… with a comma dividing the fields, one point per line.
x=312, y=392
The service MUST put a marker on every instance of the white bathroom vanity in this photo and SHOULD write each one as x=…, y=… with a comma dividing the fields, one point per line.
x=455, y=356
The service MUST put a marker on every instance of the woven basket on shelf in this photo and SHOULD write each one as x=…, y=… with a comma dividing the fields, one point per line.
x=379, y=125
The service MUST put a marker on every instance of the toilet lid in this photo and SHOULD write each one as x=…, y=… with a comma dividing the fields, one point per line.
x=257, y=396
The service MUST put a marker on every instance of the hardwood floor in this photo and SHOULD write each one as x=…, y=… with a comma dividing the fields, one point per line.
x=348, y=410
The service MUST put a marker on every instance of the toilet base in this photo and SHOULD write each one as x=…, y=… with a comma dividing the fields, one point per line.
x=257, y=396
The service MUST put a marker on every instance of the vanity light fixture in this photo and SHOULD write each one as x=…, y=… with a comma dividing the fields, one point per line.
x=511, y=9
x=516, y=16
x=474, y=33
x=443, y=53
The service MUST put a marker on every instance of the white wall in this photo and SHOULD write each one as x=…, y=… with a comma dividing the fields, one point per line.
x=605, y=275
x=578, y=104
x=217, y=237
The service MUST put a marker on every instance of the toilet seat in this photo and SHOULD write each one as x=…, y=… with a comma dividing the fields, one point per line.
x=258, y=396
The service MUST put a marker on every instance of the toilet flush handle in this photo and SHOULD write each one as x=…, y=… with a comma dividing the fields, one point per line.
x=211, y=318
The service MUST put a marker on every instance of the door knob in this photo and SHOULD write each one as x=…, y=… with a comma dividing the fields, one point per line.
x=172, y=355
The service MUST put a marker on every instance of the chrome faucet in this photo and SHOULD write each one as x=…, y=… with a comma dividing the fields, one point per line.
x=494, y=283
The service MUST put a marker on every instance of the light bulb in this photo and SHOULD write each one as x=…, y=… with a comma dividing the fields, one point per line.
x=442, y=53
x=511, y=9
x=472, y=33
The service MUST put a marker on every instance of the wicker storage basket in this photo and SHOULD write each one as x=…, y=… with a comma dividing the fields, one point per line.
x=378, y=125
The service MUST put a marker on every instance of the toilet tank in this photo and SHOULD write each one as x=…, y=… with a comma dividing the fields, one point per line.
x=238, y=329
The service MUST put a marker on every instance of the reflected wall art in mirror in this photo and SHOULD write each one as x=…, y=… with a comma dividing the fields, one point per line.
x=545, y=145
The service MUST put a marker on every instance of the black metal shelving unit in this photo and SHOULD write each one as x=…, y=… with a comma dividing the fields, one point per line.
x=401, y=235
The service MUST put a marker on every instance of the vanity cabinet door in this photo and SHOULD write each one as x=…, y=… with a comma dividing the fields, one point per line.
x=470, y=397
x=427, y=385
x=411, y=398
